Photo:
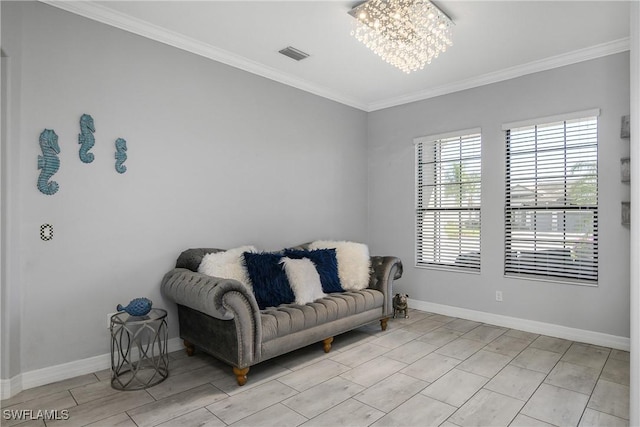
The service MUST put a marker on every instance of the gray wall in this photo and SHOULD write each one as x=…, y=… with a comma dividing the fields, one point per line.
x=220, y=157
x=602, y=83
x=217, y=157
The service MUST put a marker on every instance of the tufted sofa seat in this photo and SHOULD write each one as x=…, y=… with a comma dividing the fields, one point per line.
x=289, y=318
x=222, y=318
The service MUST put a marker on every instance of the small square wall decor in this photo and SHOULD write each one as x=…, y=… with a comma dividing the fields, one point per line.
x=626, y=213
x=625, y=130
x=625, y=169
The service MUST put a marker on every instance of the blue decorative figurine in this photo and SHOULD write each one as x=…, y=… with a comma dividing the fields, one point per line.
x=86, y=139
x=48, y=163
x=121, y=155
x=137, y=307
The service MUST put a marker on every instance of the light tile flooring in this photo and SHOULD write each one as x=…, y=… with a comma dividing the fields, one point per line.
x=427, y=370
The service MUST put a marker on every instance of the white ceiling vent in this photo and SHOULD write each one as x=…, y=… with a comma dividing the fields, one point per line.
x=294, y=53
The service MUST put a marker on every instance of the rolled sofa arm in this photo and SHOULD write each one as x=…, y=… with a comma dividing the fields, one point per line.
x=224, y=299
x=384, y=270
x=208, y=294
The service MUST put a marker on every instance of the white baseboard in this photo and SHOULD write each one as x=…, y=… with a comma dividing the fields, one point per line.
x=573, y=334
x=38, y=377
x=51, y=374
x=6, y=387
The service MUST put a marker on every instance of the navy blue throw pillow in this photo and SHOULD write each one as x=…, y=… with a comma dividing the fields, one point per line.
x=270, y=284
x=326, y=264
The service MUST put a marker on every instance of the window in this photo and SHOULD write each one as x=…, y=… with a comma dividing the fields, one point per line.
x=551, y=208
x=448, y=200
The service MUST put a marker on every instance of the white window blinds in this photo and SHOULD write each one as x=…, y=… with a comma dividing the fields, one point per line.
x=551, y=208
x=448, y=172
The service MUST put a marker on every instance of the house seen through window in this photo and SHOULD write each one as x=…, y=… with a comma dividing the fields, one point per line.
x=448, y=188
x=551, y=200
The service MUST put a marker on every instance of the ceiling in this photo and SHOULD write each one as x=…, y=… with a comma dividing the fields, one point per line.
x=492, y=41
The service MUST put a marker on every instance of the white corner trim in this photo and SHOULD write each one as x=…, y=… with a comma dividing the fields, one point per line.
x=634, y=366
x=552, y=62
x=51, y=374
x=573, y=334
x=7, y=387
x=105, y=15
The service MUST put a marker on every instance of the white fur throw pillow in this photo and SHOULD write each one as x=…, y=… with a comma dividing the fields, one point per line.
x=303, y=279
x=353, y=262
x=227, y=265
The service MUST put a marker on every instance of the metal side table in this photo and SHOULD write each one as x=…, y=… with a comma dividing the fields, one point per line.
x=139, y=357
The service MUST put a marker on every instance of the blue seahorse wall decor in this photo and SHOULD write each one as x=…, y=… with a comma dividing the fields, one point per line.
x=86, y=139
x=48, y=163
x=121, y=155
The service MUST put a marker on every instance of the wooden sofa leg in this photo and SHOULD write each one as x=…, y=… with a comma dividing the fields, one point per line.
x=326, y=344
x=241, y=375
x=189, y=347
x=383, y=323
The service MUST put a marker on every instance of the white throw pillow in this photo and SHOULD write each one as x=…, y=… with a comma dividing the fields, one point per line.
x=353, y=262
x=303, y=279
x=227, y=265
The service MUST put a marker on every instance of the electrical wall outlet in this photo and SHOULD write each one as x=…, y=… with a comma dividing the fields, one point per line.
x=499, y=296
x=109, y=319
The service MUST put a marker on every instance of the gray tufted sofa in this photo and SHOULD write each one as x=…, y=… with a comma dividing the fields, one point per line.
x=222, y=318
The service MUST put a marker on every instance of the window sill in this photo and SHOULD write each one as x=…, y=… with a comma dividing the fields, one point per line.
x=451, y=269
x=551, y=280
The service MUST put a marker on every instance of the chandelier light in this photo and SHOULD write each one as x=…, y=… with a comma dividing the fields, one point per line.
x=407, y=34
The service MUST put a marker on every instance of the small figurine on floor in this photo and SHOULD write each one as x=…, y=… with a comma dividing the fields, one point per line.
x=400, y=305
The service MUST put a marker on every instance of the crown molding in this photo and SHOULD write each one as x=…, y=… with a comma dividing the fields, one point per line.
x=574, y=57
x=105, y=15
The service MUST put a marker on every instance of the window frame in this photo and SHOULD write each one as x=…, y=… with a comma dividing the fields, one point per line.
x=556, y=269
x=420, y=204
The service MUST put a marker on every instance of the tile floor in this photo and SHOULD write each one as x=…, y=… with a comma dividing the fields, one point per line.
x=427, y=370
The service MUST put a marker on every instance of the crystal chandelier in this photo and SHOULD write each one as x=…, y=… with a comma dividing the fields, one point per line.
x=407, y=34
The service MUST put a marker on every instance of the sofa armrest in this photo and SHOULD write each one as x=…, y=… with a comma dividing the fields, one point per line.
x=384, y=270
x=223, y=299
x=208, y=294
